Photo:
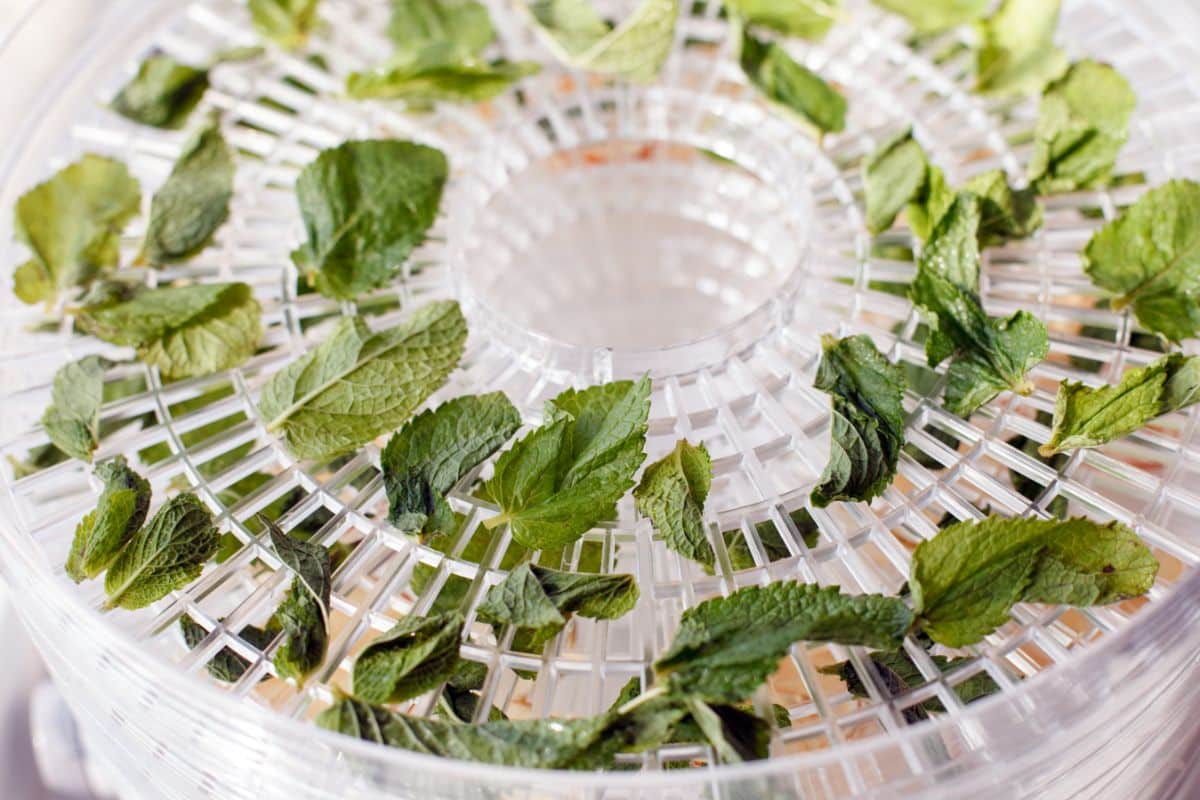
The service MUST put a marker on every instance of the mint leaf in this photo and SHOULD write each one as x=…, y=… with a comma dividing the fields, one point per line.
x=933, y=16
x=285, y=22
x=892, y=178
x=1082, y=125
x=726, y=647
x=791, y=85
x=808, y=19
x=464, y=25
x=734, y=734
x=72, y=420
x=435, y=450
x=1087, y=417
x=930, y=204
x=73, y=223
x=1004, y=212
x=560, y=480
x=965, y=580
x=303, y=616
x=366, y=205
x=635, y=49
x=460, y=699
x=416, y=655
x=672, y=495
x=866, y=394
x=438, y=72
x=120, y=511
x=539, y=600
x=774, y=548
x=226, y=666
x=899, y=674
x=163, y=94
x=1149, y=258
x=357, y=384
x=194, y=201
x=166, y=555
x=988, y=356
x=185, y=331
x=1017, y=54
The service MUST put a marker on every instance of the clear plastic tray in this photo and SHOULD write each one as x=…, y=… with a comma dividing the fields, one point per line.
x=590, y=233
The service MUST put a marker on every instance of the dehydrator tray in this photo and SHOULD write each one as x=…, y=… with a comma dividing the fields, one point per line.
x=592, y=230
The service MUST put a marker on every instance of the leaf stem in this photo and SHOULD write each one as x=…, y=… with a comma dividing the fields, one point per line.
x=491, y=523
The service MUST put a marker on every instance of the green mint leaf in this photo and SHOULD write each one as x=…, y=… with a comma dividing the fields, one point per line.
x=185, y=331
x=791, y=85
x=226, y=666
x=539, y=600
x=560, y=480
x=930, y=204
x=635, y=49
x=808, y=19
x=435, y=450
x=463, y=25
x=1087, y=417
x=73, y=224
x=1004, y=212
x=1017, y=54
x=736, y=735
x=164, y=556
x=72, y=420
x=357, y=384
x=303, y=616
x=672, y=494
x=119, y=513
x=438, y=72
x=965, y=580
x=1149, y=258
x=163, y=94
x=898, y=673
x=1082, y=125
x=727, y=647
x=933, y=16
x=366, y=205
x=460, y=699
x=893, y=177
x=416, y=655
x=866, y=392
x=194, y=201
x=774, y=548
x=288, y=23
x=529, y=743
x=990, y=356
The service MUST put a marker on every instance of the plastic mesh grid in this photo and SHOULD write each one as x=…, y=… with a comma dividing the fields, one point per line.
x=754, y=406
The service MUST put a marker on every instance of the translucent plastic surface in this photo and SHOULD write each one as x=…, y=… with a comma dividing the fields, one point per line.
x=594, y=230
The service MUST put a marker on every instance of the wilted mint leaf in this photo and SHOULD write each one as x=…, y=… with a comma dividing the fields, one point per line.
x=72, y=421
x=866, y=394
x=563, y=478
x=185, y=331
x=726, y=647
x=438, y=72
x=1087, y=417
x=357, y=385
x=163, y=94
x=285, y=22
x=1017, y=54
x=893, y=176
x=1004, y=212
x=464, y=25
x=194, y=202
x=1082, y=125
x=930, y=204
x=990, y=356
x=166, y=555
x=226, y=666
x=366, y=205
x=434, y=450
x=672, y=495
x=932, y=16
x=899, y=674
x=540, y=600
x=1149, y=258
x=416, y=655
x=791, y=85
x=635, y=49
x=73, y=224
x=808, y=19
x=736, y=735
x=119, y=513
x=303, y=616
x=966, y=579
x=460, y=699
